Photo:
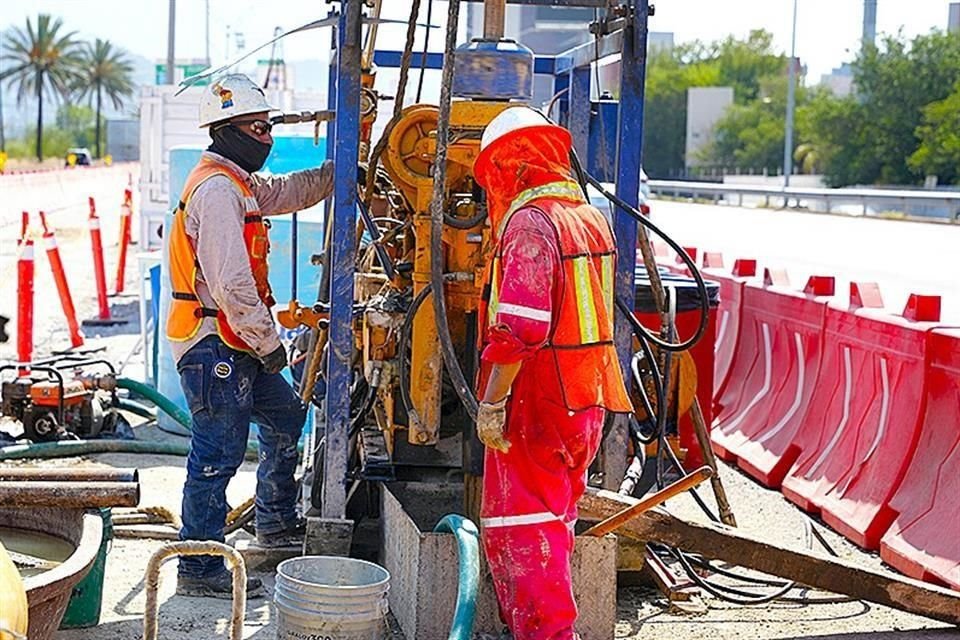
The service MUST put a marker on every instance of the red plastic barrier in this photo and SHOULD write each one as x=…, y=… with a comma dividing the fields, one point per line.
x=25, y=269
x=924, y=539
x=60, y=279
x=728, y=330
x=98, y=270
x=862, y=427
x=126, y=211
x=772, y=375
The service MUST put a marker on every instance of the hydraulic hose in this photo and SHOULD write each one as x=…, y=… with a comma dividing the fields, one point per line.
x=460, y=384
x=691, y=266
x=468, y=549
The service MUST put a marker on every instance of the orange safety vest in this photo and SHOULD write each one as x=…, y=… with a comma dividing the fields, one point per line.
x=581, y=339
x=186, y=311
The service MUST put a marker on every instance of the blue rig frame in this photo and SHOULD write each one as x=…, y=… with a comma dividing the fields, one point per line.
x=570, y=70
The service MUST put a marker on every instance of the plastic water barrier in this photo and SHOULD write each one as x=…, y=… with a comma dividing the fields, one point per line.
x=924, y=539
x=860, y=433
x=772, y=374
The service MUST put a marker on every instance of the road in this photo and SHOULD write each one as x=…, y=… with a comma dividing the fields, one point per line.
x=901, y=256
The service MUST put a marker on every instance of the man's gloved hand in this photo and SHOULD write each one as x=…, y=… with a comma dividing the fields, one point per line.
x=275, y=361
x=491, y=417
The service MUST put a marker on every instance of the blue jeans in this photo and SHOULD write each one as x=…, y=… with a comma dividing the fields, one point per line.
x=225, y=391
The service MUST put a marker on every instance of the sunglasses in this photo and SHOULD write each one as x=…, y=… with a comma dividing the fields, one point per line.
x=258, y=127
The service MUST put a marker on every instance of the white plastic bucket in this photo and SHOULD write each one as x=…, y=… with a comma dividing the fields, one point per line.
x=331, y=598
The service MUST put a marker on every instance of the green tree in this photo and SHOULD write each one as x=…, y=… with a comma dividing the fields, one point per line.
x=104, y=70
x=42, y=63
x=939, y=151
x=742, y=64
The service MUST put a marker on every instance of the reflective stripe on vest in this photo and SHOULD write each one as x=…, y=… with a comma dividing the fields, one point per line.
x=570, y=191
x=580, y=344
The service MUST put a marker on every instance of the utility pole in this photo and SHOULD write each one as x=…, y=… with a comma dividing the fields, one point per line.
x=208, y=32
x=171, y=36
x=791, y=103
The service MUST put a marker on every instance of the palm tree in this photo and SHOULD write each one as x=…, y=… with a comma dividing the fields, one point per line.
x=42, y=62
x=104, y=70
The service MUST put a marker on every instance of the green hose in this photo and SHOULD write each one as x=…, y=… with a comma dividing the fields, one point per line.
x=469, y=573
x=69, y=448
x=164, y=403
x=138, y=409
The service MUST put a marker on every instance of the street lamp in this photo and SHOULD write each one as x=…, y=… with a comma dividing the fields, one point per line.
x=791, y=104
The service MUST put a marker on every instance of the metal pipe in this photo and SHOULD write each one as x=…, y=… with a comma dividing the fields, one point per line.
x=69, y=475
x=195, y=548
x=64, y=495
x=494, y=17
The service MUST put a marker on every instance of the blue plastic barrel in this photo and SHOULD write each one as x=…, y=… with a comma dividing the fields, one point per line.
x=289, y=154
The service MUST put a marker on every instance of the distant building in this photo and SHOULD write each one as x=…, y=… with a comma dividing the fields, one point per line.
x=953, y=20
x=839, y=81
x=869, y=22
x=705, y=106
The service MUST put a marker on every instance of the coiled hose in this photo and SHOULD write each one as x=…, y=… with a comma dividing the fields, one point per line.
x=468, y=549
x=163, y=403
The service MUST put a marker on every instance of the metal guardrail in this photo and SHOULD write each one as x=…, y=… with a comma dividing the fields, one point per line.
x=903, y=200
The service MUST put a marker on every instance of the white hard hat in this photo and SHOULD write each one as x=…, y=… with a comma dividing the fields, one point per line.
x=510, y=120
x=230, y=96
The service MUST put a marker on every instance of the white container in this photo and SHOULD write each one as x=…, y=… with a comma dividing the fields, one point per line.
x=331, y=598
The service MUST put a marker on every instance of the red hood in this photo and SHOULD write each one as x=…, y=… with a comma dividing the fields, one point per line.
x=528, y=158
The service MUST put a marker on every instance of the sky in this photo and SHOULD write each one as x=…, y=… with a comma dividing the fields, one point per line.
x=828, y=31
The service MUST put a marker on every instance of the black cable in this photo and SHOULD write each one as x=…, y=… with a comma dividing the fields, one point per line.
x=691, y=266
x=463, y=388
x=426, y=44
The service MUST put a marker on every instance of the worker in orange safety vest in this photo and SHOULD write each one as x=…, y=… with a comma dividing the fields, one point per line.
x=548, y=368
x=222, y=333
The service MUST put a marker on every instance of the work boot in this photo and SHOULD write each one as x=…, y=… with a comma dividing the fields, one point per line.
x=219, y=585
x=292, y=536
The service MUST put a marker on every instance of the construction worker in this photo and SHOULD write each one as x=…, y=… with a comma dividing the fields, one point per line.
x=549, y=370
x=222, y=333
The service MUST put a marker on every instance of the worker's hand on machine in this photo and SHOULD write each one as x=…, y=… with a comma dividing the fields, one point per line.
x=275, y=361
x=491, y=417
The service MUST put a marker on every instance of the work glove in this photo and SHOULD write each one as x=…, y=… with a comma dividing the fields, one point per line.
x=275, y=361
x=491, y=417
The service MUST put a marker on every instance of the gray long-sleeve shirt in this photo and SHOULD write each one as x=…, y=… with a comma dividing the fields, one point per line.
x=214, y=225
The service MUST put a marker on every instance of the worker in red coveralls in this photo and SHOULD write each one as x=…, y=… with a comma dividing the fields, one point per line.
x=549, y=369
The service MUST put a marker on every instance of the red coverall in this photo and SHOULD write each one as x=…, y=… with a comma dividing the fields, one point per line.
x=530, y=493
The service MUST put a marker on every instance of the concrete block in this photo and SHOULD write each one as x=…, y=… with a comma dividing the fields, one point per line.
x=327, y=537
x=423, y=568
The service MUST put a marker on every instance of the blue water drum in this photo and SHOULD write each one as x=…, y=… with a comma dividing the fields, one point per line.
x=289, y=154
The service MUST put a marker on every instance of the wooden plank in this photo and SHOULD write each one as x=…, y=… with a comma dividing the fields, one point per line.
x=805, y=567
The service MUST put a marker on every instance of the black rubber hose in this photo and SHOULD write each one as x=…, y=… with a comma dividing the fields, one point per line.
x=691, y=265
x=463, y=388
x=406, y=329
x=426, y=45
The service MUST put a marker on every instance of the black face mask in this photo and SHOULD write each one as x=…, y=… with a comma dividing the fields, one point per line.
x=233, y=144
